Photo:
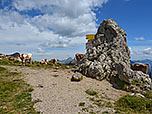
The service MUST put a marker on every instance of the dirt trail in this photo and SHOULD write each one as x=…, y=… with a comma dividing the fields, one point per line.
x=56, y=94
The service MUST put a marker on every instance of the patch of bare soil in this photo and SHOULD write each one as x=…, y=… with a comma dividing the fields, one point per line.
x=55, y=93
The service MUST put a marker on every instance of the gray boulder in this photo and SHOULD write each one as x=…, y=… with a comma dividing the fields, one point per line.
x=77, y=76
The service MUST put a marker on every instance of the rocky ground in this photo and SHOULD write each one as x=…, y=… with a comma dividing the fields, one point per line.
x=55, y=93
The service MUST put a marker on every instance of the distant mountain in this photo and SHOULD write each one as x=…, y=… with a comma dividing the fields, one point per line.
x=142, y=61
x=14, y=54
x=68, y=61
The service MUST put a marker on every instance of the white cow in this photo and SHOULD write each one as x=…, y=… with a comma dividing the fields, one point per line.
x=26, y=57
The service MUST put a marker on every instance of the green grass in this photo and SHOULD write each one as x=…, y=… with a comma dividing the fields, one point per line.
x=8, y=62
x=148, y=95
x=138, y=82
x=15, y=96
x=35, y=64
x=105, y=112
x=2, y=69
x=133, y=104
x=81, y=103
x=49, y=66
x=91, y=92
x=135, y=82
x=85, y=109
x=108, y=104
x=92, y=112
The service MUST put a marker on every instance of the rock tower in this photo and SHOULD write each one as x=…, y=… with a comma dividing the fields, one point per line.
x=110, y=55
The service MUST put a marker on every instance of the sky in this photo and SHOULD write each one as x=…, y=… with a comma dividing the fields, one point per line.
x=57, y=28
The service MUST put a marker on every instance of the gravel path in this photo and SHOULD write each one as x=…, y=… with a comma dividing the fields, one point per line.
x=56, y=94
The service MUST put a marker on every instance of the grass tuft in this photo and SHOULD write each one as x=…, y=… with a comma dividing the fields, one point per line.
x=81, y=103
x=105, y=112
x=91, y=92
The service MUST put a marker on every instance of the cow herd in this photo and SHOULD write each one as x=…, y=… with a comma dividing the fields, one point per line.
x=25, y=58
x=28, y=58
x=45, y=61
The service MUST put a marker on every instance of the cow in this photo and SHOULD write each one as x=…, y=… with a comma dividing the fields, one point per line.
x=25, y=57
x=78, y=57
x=53, y=61
x=2, y=56
x=141, y=67
x=44, y=61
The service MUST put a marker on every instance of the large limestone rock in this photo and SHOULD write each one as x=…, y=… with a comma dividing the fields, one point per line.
x=110, y=55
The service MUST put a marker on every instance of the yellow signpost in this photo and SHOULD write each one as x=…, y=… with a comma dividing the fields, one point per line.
x=90, y=36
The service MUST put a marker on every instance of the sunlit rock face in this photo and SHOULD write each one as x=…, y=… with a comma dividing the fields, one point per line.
x=110, y=55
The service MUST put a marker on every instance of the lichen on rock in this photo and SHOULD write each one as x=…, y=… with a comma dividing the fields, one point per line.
x=110, y=53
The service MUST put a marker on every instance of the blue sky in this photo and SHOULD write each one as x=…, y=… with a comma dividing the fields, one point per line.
x=57, y=28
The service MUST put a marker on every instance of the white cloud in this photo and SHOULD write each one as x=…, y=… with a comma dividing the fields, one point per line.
x=64, y=17
x=71, y=8
x=59, y=54
x=139, y=38
x=59, y=43
x=63, y=24
x=141, y=52
x=40, y=50
x=147, y=51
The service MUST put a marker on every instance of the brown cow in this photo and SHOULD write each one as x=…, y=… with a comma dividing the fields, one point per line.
x=44, y=61
x=53, y=61
x=78, y=57
x=141, y=67
x=25, y=57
